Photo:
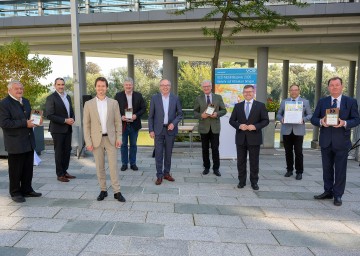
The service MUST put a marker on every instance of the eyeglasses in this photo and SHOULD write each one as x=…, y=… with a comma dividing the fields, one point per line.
x=164, y=85
x=248, y=91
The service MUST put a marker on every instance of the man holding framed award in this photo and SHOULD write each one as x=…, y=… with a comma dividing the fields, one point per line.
x=335, y=115
x=208, y=108
x=293, y=113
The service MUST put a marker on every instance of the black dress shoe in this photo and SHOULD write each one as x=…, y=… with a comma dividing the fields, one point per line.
x=325, y=195
x=255, y=186
x=124, y=167
x=102, y=195
x=298, y=176
x=119, y=197
x=217, y=173
x=337, y=201
x=33, y=194
x=288, y=174
x=18, y=199
x=206, y=171
x=134, y=167
x=241, y=185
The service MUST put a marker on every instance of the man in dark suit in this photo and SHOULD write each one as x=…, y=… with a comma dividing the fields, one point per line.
x=19, y=142
x=335, y=140
x=61, y=115
x=132, y=101
x=164, y=116
x=248, y=118
x=209, y=125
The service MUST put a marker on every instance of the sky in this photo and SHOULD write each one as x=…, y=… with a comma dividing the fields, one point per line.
x=62, y=66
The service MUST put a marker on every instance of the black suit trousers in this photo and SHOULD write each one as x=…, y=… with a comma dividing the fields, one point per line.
x=294, y=143
x=20, y=173
x=62, y=147
x=206, y=140
x=254, y=151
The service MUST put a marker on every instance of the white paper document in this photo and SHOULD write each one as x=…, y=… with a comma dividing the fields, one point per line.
x=293, y=112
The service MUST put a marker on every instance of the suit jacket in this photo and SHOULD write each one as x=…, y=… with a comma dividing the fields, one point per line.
x=339, y=138
x=56, y=112
x=258, y=117
x=18, y=138
x=298, y=129
x=138, y=105
x=92, y=125
x=156, y=113
x=200, y=106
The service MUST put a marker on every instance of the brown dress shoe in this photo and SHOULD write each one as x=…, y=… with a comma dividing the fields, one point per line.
x=168, y=177
x=63, y=179
x=68, y=176
x=158, y=181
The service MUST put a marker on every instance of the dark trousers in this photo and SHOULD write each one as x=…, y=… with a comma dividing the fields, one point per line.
x=294, y=143
x=62, y=147
x=20, y=173
x=334, y=163
x=129, y=134
x=163, y=151
x=242, y=151
x=206, y=140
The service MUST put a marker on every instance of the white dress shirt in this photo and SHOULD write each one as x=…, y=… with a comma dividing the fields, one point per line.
x=66, y=102
x=102, y=110
x=165, y=101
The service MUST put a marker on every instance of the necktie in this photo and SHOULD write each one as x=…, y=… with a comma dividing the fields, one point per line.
x=247, y=109
x=208, y=100
x=334, y=105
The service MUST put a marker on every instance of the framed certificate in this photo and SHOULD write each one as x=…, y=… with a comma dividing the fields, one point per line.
x=129, y=114
x=36, y=116
x=293, y=112
x=210, y=109
x=332, y=116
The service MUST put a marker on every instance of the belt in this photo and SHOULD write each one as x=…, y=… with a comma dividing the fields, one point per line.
x=105, y=134
x=165, y=125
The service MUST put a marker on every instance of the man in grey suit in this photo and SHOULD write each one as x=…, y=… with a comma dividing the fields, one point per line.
x=164, y=116
x=209, y=125
x=293, y=134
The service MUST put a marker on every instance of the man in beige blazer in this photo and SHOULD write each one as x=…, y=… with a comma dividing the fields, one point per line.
x=102, y=132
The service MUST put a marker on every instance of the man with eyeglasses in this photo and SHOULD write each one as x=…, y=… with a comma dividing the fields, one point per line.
x=209, y=124
x=293, y=133
x=60, y=112
x=248, y=118
x=19, y=142
x=164, y=116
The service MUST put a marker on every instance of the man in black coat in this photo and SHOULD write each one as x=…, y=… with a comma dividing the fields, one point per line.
x=133, y=103
x=248, y=118
x=19, y=142
x=61, y=115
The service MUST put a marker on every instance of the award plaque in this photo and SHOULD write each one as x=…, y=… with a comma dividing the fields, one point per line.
x=332, y=116
x=210, y=109
x=36, y=116
x=128, y=114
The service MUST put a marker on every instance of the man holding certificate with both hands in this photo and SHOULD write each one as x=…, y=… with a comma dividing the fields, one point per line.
x=293, y=113
x=336, y=115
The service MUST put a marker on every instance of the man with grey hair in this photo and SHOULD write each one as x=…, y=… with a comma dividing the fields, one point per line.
x=19, y=142
x=132, y=107
x=209, y=124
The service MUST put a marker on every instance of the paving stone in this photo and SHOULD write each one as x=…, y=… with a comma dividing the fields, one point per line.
x=218, y=221
x=268, y=223
x=155, y=247
x=47, y=252
x=323, y=226
x=112, y=204
x=28, y=211
x=241, y=211
x=334, y=251
x=303, y=204
x=303, y=239
x=79, y=213
x=170, y=219
x=138, y=229
x=36, y=201
x=81, y=203
x=83, y=226
x=161, y=190
x=239, y=193
x=271, y=250
x=102, y=244
x=10, y=237
x=124, y=216
x=276, y=195
x=8, y=222
x=143, y=198
x=215, y=249
x=40, y=224
x=197, y=192
x=353, y=225
x=177, y=199
x=287, y=213
x=67, y=186
x=259, y=202
x=235, y=235
x=200, y=179
x=209, y=200
x=11, y=251
x=65, y=194
x=191, y=233
x=152, y=207
x=346, y=240
x=195, y=208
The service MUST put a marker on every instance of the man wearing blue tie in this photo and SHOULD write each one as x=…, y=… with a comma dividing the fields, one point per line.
x=248, y=118
x=335, y=140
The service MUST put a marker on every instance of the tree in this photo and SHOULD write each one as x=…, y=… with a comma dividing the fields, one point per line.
x=148, y=67
x=92, y=68
x=244, y=15
x=15, y=64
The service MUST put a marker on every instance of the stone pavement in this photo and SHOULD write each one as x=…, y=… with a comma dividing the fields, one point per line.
x=195, y=215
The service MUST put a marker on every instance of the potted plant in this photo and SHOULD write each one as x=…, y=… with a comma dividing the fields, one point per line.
x=272, y=106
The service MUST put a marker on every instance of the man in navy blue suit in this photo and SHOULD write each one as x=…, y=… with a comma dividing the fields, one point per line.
x=335, y=140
